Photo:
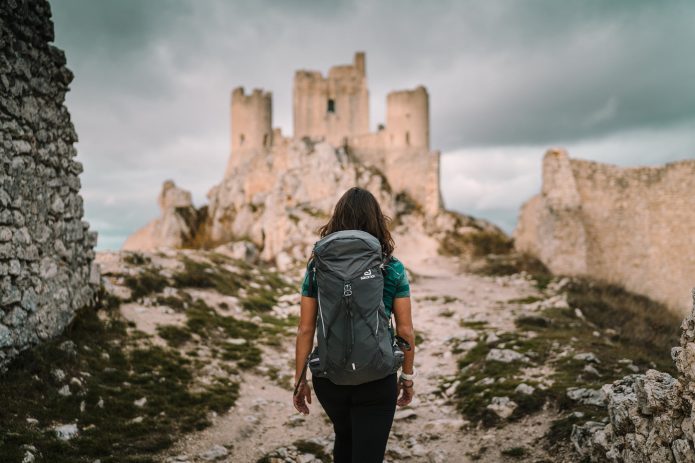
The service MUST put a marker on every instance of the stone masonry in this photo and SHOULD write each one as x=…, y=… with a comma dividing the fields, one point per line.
x=626, y=226
x=46, y=249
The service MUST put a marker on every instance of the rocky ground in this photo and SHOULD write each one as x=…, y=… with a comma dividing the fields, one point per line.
x=191, y=359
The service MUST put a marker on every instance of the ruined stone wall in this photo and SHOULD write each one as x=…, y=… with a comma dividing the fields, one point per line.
x=627, y=226
x=332, y=108
x=407, y=118
x=46, y=249
x=251, y=124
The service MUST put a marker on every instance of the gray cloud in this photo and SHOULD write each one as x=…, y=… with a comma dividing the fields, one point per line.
x=151, y=92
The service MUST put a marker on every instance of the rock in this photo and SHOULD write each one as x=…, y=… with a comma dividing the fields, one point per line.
x=590, y=369
x=65, y=391
x=296, y=420
x=216, y=452
x=306, y=458
x=582, y=436
x=69, y=348
x=175, y=227
x=66, y=432
x=452, y=389
x=505, y=356
x=406, y=414
x=236, y=341
x=444, y=425
x=587, y=396
x=28, y=457
x=683, y=451
x=491, y=338
x=657, y=391
x=586, y=357
x=140, y=402
x=485, y=381
x=502, y=406
x=524, y=389
x=58, y=374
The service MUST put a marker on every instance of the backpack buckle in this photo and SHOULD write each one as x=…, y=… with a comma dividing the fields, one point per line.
x=347, y=289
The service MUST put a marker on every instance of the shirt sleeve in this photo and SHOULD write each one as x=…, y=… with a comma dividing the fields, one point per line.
x=309, y=290
x=402, y=285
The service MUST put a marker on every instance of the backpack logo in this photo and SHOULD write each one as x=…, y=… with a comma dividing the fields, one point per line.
x=367, y=275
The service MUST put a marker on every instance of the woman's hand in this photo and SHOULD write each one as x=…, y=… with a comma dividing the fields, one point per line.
x=302, y=397
x=405, y=391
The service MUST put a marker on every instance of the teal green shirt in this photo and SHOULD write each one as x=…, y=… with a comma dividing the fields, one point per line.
x=395, y=282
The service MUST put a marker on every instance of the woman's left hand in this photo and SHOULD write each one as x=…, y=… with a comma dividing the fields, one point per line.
x=302, y=397
x=405, y=391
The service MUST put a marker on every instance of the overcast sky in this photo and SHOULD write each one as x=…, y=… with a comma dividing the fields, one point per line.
x=609, y=81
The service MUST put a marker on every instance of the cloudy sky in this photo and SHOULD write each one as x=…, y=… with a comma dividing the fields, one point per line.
x=609, y=81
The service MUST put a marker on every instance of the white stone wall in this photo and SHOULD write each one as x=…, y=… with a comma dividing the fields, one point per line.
x=627, y=226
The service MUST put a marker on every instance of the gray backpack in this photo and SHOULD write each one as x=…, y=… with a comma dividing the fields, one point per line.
x=354, y=343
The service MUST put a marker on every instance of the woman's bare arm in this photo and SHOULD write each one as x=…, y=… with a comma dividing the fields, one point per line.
x=305, y=333
x=404, y=329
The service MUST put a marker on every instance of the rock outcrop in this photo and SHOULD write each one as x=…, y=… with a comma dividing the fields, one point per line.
x=175, y=227
x=46, y=249
x=652, y=415
x=625, y=226
x=278, y=201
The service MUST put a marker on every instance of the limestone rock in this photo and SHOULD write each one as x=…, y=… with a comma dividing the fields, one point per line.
x=174, y=228
x=502, y=406
x=587, y=396
x=216, y=452
x=66, y=431
x=657, y=392
x=651, y=414
x=505, y=356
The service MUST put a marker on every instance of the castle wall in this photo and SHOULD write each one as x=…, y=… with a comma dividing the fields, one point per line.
x=627, y=226
x=46, y=249
x=332, y=108
x=251, y=124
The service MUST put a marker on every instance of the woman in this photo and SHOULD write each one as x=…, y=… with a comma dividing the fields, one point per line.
x=362, y=415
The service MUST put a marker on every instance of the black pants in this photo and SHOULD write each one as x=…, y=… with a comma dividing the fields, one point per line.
x=362, y=416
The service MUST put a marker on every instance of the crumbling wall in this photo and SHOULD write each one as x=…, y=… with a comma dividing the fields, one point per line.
x=651, y=416
x=626, y=226
x=46, y=250
x=332, y=108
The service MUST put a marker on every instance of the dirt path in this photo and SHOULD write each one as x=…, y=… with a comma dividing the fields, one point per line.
x=430, y=429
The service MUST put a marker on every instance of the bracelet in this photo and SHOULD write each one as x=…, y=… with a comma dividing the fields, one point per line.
x=409, y=376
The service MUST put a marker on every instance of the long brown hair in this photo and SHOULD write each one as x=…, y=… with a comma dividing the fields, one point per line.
x=358, y=209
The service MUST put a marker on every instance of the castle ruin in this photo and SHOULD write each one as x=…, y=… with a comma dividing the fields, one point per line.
x=626, y=226
x=47, y=269
x=335, y=109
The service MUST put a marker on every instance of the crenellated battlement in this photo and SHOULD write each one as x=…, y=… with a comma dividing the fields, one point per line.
x=335, y=108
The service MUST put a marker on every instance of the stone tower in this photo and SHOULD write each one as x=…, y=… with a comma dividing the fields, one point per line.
x=332, y=108
x=251, y=124
x=407, y=119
